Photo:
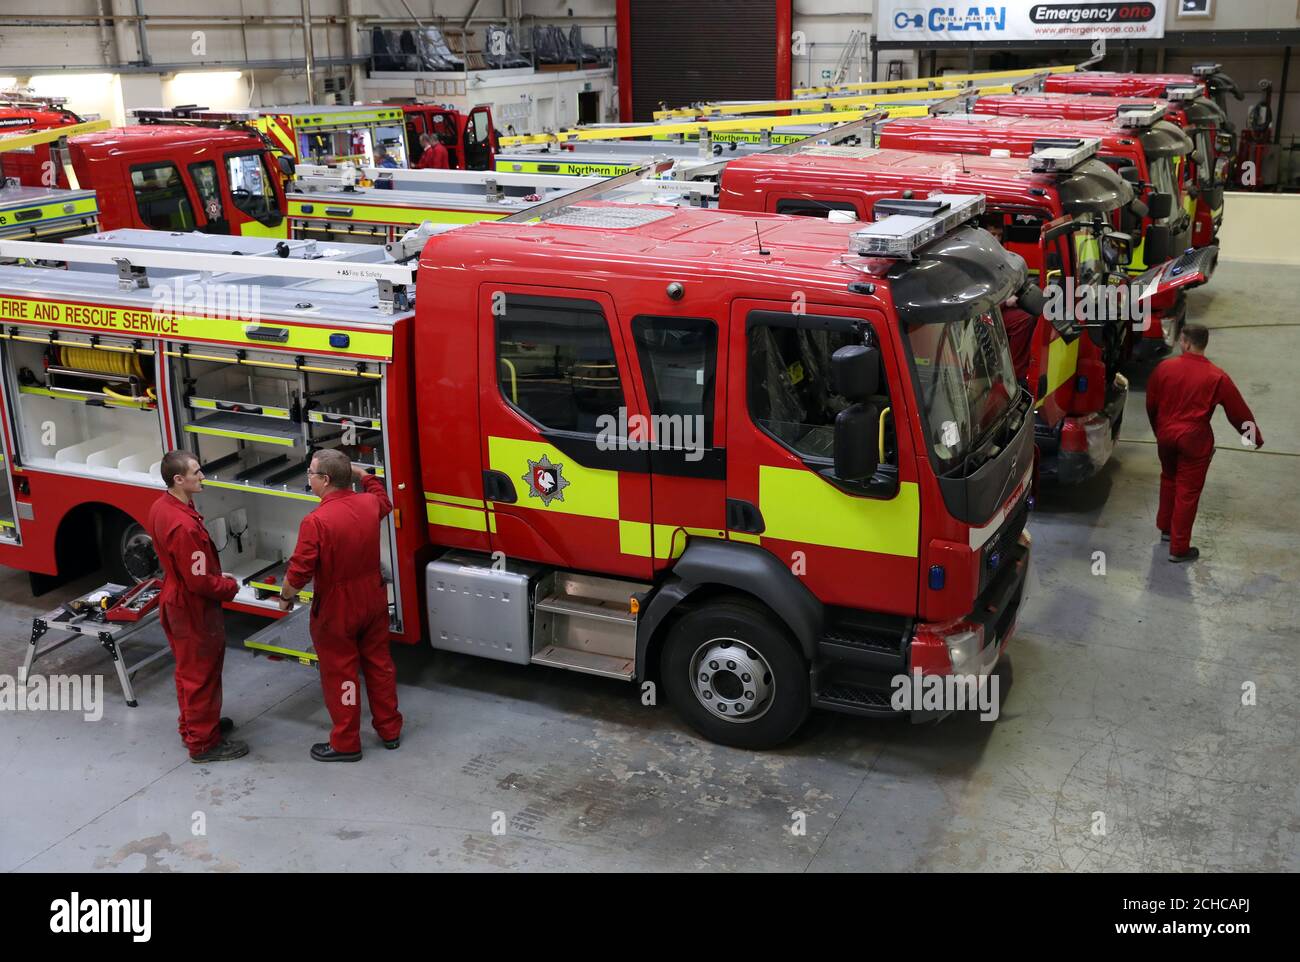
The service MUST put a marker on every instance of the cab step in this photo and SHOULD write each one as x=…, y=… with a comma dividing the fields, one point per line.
x=586, y=624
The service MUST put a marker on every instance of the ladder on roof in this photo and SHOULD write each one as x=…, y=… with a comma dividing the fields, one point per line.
x=923, y=82
x=34, y=138
x=706, y=127
x=831, y=103
x=57, y=136
x=294, y=261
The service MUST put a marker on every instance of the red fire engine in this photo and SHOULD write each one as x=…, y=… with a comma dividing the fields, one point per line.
x=1150, y=153
x=771, y=463
x=1196, y=116
x=1054, y=210
x=173, y=177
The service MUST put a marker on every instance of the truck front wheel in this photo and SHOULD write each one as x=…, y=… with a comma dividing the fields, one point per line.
x=733, y=673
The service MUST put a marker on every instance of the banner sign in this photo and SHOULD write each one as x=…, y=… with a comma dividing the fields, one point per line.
x=922, y=22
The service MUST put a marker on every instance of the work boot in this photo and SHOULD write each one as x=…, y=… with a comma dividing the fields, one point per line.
x=226, y=750
x=391, y=743
x=226, y=726
x=1191, y=555
x=322, y=752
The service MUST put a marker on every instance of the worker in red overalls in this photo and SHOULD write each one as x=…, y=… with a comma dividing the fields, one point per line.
x=338, y=549
x=1181, y=397
x=190, y=609
x=434, y=155
x=1020, y=325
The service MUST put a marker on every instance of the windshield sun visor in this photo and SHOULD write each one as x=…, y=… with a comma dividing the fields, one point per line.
x=963, y=273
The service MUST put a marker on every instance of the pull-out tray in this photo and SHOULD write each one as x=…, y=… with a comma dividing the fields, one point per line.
x=289, y=637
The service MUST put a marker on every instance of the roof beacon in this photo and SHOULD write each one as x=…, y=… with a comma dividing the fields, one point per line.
x=908, y=225
x=1182, y=92
x=1058, y=155
x=1140, y=115
x=1205, y=69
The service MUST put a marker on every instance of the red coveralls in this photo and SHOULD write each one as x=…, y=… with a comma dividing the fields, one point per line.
x=190, y=611
x=435, y=157
x=1182, y=394
x=338, y=549
x=1020, y=325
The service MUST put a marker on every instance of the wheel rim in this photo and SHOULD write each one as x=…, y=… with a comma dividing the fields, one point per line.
x=138, y=556
x=732, y=680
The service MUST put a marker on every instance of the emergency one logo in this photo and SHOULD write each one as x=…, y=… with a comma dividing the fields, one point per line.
x=545, y=480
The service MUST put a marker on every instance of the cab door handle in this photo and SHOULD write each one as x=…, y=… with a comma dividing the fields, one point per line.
x=497, y=486
x=745, y=517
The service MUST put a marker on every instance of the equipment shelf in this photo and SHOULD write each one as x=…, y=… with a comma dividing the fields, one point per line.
x=284, y=491
x=262, y=431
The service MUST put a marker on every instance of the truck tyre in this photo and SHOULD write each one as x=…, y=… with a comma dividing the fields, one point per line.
x=127, y=551
x=733, y=673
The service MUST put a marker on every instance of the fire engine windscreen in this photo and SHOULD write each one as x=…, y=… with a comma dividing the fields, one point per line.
x=1204, y=140
x=1162, y=177
x=966, y=379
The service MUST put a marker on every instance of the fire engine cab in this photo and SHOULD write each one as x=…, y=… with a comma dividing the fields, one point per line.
x=768, y=463
x=1145, y=150
x=218, y=179
x=1195, y=115
x=1054, y=209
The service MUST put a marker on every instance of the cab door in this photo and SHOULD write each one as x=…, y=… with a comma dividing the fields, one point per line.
x=682, y=367
x=207, y=186
x=563, y=485
x=853, y=545
x=1055, y=355
x=479, y=139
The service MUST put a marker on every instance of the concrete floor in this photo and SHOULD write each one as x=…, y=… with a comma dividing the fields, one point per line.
x=1126, y=701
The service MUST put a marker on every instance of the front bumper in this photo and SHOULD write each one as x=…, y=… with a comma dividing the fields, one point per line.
x=860, y=679
x=998, y=610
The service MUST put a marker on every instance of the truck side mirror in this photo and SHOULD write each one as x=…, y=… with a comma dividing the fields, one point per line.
x=1139, y=209
x=1160, y=206
x=1031, y=299
x=855, y=373
x=1129, y=173
x=1117, y=247
x=856, y=441
x=1157, y=245
x=286, y=164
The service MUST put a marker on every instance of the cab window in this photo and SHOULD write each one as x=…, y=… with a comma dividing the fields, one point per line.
x=789, y=380
x=808, y=207
x=251, y=187
x=679, y=358
x=161, y=198
x=556, y=363
x=208, y=186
